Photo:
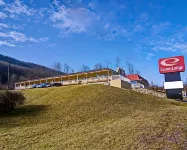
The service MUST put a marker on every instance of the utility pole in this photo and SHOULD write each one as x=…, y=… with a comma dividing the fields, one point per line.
x=8, y=75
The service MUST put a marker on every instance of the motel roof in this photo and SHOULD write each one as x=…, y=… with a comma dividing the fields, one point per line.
x=71, y=74
x=136, y=77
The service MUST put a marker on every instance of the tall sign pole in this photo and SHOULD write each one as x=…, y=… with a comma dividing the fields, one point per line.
x=171, y=68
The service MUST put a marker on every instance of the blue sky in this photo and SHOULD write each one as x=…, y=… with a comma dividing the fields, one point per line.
x=91, y=31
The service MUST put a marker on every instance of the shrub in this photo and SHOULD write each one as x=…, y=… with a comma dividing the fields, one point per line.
x=10, y=100
x=2, y=86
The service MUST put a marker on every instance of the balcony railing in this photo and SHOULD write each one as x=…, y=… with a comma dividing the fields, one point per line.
x=73, y=82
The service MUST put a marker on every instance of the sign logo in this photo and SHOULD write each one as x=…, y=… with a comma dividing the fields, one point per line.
x=170, y=61
x=172, y=64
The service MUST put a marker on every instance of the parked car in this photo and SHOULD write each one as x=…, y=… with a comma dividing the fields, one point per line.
x=29, y=87
x=48, y=85
x=79, y=82
x=39, y=86
x=56, y=84
x=43, y=85
x=34, y=86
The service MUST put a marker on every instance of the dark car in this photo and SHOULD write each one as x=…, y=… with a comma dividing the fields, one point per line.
x=56, y=84
x=34, y=86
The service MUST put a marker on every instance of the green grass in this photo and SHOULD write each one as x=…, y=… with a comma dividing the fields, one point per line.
x=94, y=117
x=2, y=90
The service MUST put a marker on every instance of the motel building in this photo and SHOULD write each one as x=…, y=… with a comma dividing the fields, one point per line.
x=101, y=76
x=138, y=81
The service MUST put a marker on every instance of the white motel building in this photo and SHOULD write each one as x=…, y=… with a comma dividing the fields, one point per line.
x=105, y=76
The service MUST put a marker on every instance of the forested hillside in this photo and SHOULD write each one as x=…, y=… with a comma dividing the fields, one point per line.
x=20, y=70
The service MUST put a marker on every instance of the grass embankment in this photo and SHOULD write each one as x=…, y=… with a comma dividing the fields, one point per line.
x=94, y=117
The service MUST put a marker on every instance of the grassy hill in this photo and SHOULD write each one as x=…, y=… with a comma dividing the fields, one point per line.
x=94, y=117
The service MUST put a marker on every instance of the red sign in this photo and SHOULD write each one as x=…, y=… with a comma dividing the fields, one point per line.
x=172, y=64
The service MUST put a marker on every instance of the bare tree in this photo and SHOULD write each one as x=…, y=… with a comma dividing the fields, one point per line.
x=22, y=78
x=130, y=68
x=13, y=79
x=138, y=72
x=122, y=67
x=57, y=66
x=98, y=66
x=84, y=68
x=72, y=70
x=117, y=62
x=107, y=63
x=152, y=83
x=66, y=68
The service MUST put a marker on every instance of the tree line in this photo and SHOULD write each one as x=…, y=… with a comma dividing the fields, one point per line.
x=66, y=68
x=21, y=73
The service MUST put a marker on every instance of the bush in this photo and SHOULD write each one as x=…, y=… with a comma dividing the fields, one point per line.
x=3, y=87
x=10, y=100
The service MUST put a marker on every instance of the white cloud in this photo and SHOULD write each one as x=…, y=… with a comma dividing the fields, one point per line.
x=106, y=26
x=173, y=43
x=115, y=32
x=149, y=56
x=16, y=27
x=5, y=43
x=41, y=12
x=180, y=47
x=18, y=8
x=164, y=48
x=144, y=17
x=78, y=20
x=2, y=3
x=3, y=15
x=3, y=25
x=4, y=35
x=138, y=28
x=73, y=20
x=52, y=45
x=20, y=37
x=157, y=28
x=43, y=39
x=6, y=26
x=32, y=39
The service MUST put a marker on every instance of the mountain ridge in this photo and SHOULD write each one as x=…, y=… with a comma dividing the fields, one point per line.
x=20, y=70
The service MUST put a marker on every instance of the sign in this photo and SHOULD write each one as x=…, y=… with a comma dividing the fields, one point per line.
x=173, y=85
x=172, y=64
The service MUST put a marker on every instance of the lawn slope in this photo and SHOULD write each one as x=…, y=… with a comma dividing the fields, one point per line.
x=94, y=117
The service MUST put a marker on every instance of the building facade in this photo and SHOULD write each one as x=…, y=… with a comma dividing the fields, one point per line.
x=100, y=76
x=138, y=81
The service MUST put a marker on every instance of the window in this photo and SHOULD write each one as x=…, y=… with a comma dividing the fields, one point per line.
x=133, y=82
